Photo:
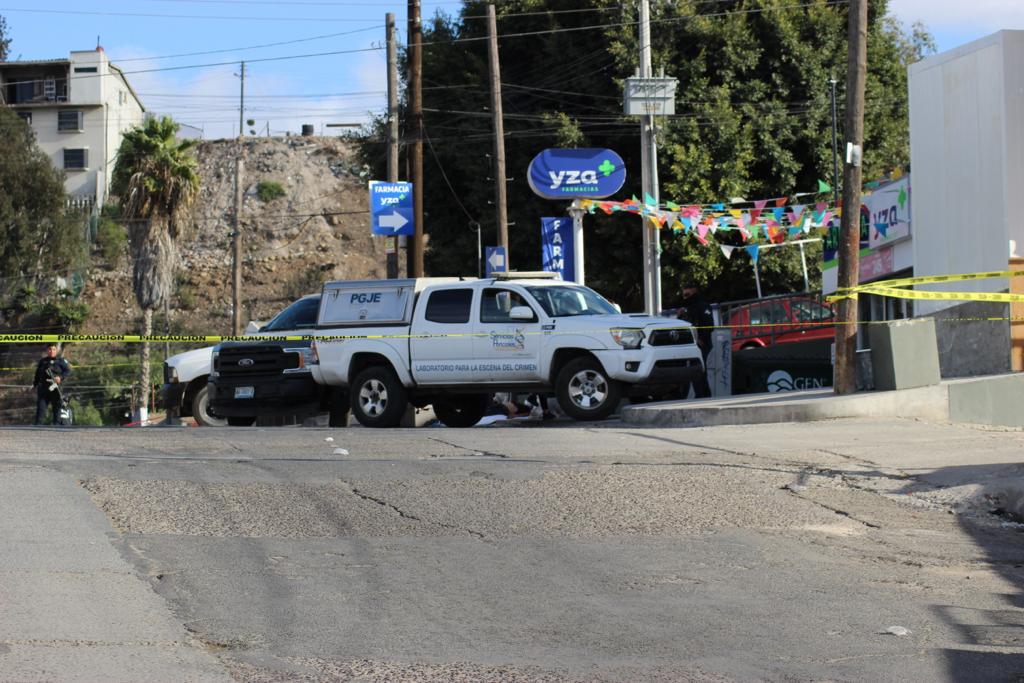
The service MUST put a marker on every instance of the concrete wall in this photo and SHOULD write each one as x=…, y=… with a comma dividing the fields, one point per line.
x=992, y=401
x=969, y=345
x=967, y=160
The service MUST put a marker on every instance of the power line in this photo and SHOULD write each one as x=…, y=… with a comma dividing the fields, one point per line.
x=444, y=175
x=572, y=29
x=249, y=47
x=147, y=15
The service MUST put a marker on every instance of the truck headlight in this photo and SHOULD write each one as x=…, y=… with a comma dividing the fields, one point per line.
x=214, y=364
x=305, y=359
x=628, y=338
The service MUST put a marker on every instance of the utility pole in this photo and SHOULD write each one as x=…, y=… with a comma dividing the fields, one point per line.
x=236, y=242
x=392, y=255
x=835, y=145
x=649, y=170
x=849, y=235
x=415, y=51
x=500, y=190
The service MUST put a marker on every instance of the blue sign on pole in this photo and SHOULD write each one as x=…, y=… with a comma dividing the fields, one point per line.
x=557, y=249
x=391, y=210
x=572, y=173
x=495, y=261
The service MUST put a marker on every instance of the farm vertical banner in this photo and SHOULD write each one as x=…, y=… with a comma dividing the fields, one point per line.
x=557, y=247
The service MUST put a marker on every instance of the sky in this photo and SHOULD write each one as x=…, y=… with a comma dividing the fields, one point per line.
x=144, y=37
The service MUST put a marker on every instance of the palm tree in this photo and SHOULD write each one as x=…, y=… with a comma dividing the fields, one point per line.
x=156, y=181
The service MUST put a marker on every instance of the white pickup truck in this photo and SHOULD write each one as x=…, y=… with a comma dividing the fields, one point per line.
x=452, y=343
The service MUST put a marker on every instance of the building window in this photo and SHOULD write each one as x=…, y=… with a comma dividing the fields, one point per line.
x=76, y=159
x=85, y=69
x=69, y=120
x=25, y=116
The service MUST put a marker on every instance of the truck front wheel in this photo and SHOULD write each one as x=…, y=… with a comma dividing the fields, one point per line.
x=378, y=398
x=461, y=411
x=585, y=392
x=201, y=409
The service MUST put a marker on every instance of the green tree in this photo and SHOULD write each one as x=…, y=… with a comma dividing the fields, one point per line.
x=39, y=239
x=156, y=181
x=753, y=120
x=5, y=39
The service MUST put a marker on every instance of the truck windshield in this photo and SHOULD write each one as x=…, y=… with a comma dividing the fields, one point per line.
x=565, y=301
x=300, y=314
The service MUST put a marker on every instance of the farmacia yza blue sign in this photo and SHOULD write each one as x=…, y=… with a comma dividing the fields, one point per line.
x=571, y=173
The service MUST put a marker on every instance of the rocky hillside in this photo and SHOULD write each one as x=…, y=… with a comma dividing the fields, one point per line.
x=317, y=229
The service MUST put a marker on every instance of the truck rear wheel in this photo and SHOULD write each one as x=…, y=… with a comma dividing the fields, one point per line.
x=378, y=398
x=585, y=392
x=461, y=411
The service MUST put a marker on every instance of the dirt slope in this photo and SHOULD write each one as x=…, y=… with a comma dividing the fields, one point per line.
x=319, y=229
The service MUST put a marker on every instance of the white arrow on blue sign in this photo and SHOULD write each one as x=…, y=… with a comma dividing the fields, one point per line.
x=391, y=209
x=495, y=260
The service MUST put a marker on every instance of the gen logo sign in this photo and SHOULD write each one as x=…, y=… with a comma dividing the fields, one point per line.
x=571, y=173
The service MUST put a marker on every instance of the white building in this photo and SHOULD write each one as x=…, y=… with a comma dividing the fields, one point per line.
x=967, y=163
x=79, y=108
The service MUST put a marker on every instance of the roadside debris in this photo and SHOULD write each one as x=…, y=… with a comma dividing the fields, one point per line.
x=340, y=451
x=898, y=631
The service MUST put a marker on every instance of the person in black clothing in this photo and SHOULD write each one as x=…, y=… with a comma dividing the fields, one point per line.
x=696, y=311
x=50, y=373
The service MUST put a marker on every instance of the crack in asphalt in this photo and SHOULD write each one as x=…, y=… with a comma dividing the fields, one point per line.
x=407, y=515
x=838, y=511
x=474, y=451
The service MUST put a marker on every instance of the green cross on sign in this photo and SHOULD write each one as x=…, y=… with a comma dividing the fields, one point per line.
x=606, y=167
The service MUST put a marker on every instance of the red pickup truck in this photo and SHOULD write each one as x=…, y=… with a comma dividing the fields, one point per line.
x=777, y=320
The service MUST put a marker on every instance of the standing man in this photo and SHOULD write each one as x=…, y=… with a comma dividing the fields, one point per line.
x=697, y=312
x=50, y=372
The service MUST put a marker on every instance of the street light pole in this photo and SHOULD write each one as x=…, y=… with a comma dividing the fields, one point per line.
x=649, y=171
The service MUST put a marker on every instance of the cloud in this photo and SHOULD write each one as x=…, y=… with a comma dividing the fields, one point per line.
x=979, y=17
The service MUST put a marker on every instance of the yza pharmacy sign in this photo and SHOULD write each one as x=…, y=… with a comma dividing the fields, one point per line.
x=571, y=173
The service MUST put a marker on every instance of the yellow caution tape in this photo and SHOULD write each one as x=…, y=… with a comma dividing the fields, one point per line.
x=898, y=293
x=896, y=288
x=934, y=279
x=214, y=339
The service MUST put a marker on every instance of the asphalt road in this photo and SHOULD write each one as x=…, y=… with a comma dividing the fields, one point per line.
x=529, y=553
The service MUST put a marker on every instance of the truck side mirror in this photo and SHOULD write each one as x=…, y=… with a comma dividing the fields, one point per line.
x=521, y=313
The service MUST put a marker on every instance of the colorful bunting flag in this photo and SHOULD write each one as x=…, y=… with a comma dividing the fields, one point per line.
x=824, y=187
x=754, y=252
x=726, y=250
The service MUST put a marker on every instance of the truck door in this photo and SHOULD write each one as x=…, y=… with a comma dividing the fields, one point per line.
x=442, y=338
x=507, y=350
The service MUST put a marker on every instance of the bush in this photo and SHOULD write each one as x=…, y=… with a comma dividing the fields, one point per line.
x=269, y=190
x=86, y=413
x=110, y=240
x=69, y=315
x=185, y=292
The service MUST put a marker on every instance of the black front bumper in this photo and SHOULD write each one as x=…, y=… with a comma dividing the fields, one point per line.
x=674, y=371
x=272, y=396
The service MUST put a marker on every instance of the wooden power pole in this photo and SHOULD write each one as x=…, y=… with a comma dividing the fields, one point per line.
x=500, y=190
x=392, y=255
x=849, y=234
x=415, y=52
x=236, y=238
